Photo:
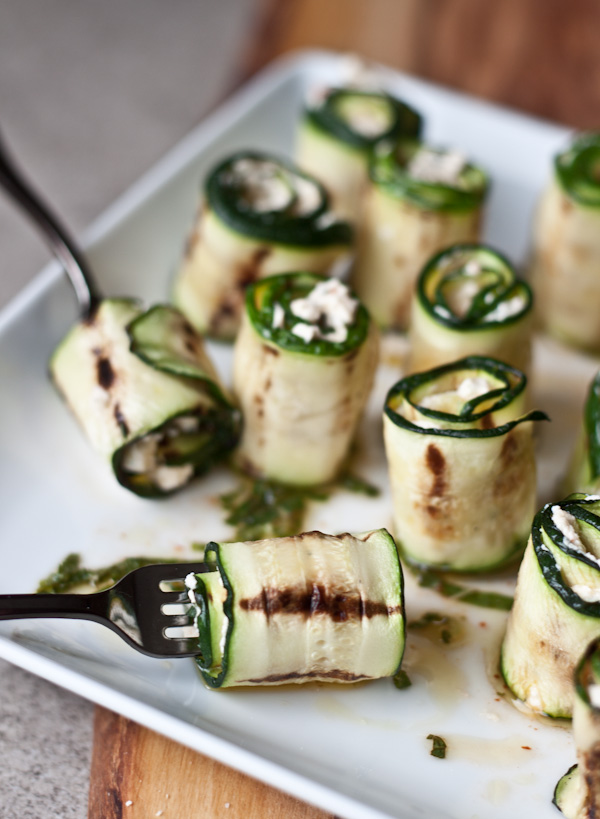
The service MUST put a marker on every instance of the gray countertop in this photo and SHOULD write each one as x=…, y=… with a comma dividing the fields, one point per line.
x=91, y=95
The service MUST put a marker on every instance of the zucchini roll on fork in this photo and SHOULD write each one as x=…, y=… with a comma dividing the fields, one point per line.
x=461, y=462
x=577, y=793
x=146, y=394
x=566, y=247
x=556, y=612
x=419, y=201
x=260, y=216
x=304, y=364
x=338, y=132
x=312, y=607
x=469, y=301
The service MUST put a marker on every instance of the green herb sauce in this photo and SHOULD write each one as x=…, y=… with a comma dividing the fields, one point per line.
x=259, y=509
x=71, y=574
x=430, y=579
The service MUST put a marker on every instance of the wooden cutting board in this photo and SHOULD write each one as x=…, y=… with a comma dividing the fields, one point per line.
x=138, y=774
x=538, y=55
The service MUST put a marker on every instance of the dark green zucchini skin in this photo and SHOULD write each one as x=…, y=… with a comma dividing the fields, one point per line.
x=261, y=298
x=405, y=120
x=539, y=670
x=457, y=312
x=388, y=170
x=577, y=793
x=255, y=631
x=501, y=284
x=136, y=379
x=463, y=475
x=301, y=401
x=225, y=197
x=566, y=238
x=514, y=382
x=405, y=221
x=592, y=427
x=578, y=170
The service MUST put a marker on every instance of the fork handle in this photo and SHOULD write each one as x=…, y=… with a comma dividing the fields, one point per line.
x=80, y=606
x=62, y=245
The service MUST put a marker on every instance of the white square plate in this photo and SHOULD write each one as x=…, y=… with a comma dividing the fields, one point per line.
x=358, y=752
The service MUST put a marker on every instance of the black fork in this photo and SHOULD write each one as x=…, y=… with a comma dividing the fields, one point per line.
x=133, y=608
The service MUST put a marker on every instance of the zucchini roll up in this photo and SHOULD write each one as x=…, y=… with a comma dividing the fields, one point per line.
x=577, y=793
x=312, y=607
x=566, y=247
x=584, y=471
x=469, y=301
x=304, y=364
x=556, y=612
x=419, y=201
x=337, y=134
x=146, y=394
x=260, y=216
x=461, y=462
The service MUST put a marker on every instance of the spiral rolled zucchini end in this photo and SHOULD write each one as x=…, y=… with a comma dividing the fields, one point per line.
x=147, y=396
x=461, y=462
x=556, y=612
x=261, y=216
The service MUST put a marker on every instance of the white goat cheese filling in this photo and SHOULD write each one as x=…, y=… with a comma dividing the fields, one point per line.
x=566, y=523
x=586, y=593
x=448, y=401
x=453, y=400
x=594, y=694
x=437, y=167
x=141, y=456
x=270, y=187
x=329, y=303
x=506, y=309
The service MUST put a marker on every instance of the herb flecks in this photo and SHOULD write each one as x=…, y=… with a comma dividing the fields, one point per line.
x=353, y=483
x=430, y=579
x=440, y=627
x=401, y=680
x=439, y=746
x=71, y=574
x=260, y=508
x=263, y=509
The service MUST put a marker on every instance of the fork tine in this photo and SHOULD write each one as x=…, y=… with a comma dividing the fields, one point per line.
x=170, y=597
x=178, y=620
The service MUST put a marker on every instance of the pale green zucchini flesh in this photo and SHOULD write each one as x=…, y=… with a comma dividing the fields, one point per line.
x=301, y=399
x=146, y=394
x=312, y=607
x=556, y=612
x=577, y=793
x=461, y=462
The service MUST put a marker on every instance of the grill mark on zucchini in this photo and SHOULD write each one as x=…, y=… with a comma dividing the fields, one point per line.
x=436, y=463
x=249, y=272
x=106, y=374
x=120, y=419
x=334, y=674
x=222, y=314
x=313, y=600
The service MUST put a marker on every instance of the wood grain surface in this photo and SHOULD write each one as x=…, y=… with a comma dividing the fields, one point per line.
x=541, y=56
x=138, y=774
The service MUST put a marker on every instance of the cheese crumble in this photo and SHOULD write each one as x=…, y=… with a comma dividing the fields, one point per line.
x=437, y=167
x=566, y=524
x=329, y=302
